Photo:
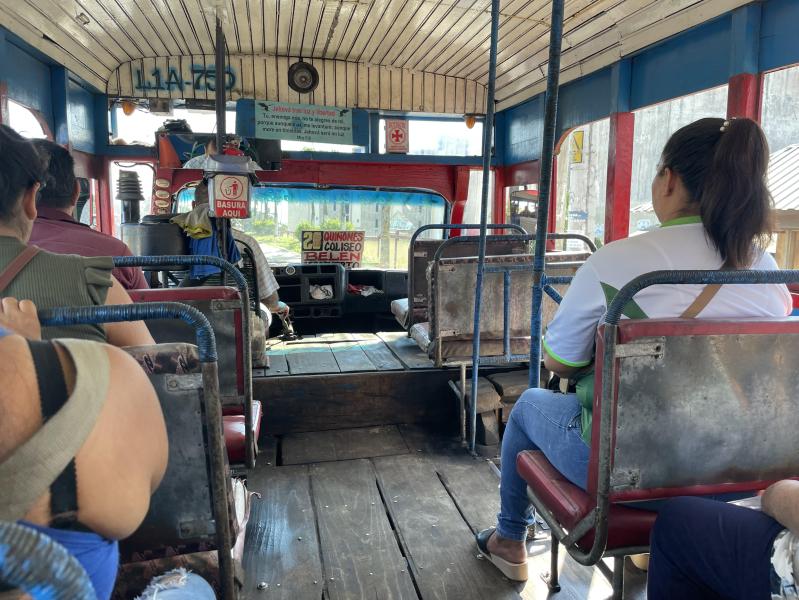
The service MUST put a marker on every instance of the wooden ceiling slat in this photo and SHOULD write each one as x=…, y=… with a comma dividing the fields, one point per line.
x=33, y=37
x=270, y=8
x=519, y=43
x=363, y=86
x=420, y=16
x=284, y=21
x=386, y=91
x=299, y=25
x=341, y=83
x=374, y=86
x=91, y=34
x=435, y=28
x=133, y=15
x=331, y=12
x=101, y=20
x=328, y=82
x=261, y=86
x=37, y=21
x=417, y=98
x=535, y=52
x=472, y=38
x=196, y=39
x=272, y=83
x=176, y=22
x=391, y=17
x=596, y=43
x=161, y=22
x=407, y=91
x=351, y=77
x=456, y=32
x=205, y=27
x=316, y=10
x=352, y=26
x=357, y=28
x=338, y=29
x=256, y=19
x=407, y=10
x=234, y=28
x=530, y=15
x=429, y=92
x=374, y=19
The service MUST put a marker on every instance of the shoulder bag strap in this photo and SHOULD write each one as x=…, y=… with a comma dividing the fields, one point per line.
x=16, y=266
x=701, y=301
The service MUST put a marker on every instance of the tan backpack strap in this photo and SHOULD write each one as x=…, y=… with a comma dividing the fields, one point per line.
x=15, y=266
x=32, y=467
x=701, y=301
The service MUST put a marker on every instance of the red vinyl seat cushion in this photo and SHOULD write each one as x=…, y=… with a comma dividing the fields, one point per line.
x=627, y=526
x=233, y=426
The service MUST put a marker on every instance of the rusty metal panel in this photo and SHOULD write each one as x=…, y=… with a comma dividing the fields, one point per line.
x=701, y=410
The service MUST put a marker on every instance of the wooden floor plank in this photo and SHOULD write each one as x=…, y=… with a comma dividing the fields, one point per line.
x=281, y=548
x=439, y=545
x=310, y=358
x=342, y=444
x=351, y=358
x=278, y=365
x=406, y=350
x=360, y=554
x=378, y=353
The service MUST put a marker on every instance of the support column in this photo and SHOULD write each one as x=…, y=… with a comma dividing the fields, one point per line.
x=743, y=96
x=620, y=169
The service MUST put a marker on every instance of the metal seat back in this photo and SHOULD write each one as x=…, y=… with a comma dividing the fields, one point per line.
x=222, y=308
x=700, y=407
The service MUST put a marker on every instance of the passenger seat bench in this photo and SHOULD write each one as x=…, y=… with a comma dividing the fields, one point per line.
x=222, y=307
x=666, y=407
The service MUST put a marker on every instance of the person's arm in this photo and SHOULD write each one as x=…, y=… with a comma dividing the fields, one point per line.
x=568, y=346
x=20, y=317
x=781, y=502
x=131, y=333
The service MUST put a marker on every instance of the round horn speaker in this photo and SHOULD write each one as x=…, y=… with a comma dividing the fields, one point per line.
x=303, y=77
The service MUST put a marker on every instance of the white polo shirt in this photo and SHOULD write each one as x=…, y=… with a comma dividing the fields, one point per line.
x=678, y=245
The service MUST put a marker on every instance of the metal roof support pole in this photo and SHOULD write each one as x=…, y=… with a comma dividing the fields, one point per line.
x=488, y=135
x=544, y=185
x=220, y=81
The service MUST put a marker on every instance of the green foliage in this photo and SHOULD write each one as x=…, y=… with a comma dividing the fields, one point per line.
x=302, y=226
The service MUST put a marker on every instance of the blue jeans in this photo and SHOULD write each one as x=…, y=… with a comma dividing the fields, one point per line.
x=546, y=421
x=707, y=549
x=178, y=584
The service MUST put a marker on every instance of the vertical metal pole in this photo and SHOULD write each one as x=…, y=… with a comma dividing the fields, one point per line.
x=488, y=133
x=221, y=126
x=547, y=155
x=221, y=85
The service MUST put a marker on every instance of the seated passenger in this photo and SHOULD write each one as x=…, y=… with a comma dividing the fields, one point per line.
x=55, y=228
x=231, y=147
x=704, y=548
x=83, y=446
x=51, y=280
x=267, y=284
x=711, y=198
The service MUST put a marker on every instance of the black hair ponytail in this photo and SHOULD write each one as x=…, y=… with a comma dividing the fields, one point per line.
x=21, y=166
x=723, y=166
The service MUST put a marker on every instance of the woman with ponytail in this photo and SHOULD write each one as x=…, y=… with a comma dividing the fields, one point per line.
x=710, y=195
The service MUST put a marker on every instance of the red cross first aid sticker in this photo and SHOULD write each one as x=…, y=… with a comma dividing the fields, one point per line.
x=397, y=139
x=231, y=196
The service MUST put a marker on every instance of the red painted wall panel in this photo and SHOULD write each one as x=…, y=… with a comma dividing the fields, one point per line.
x=620, y=168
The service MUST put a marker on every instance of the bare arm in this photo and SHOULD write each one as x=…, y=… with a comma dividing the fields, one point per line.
x=134, y=333
x=781, y=501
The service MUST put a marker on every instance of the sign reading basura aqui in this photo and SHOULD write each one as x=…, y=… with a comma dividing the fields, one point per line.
x=342, y=247
x=303, y=122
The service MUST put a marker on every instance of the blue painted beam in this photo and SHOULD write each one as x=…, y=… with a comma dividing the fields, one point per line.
x=59, y=79
x=745, y=39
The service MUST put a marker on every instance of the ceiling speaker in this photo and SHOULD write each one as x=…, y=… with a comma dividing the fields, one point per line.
x=303, y=77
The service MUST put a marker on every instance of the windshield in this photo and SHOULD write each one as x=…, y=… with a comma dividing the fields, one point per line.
x=388, y=219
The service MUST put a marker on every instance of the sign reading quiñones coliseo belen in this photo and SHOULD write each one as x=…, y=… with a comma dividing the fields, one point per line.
x=303, y=122
x=342, y=247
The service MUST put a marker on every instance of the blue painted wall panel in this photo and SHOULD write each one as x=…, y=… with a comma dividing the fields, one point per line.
x=584, y=100
x=524, y=126
x=779, y=42
x=693, y=61
x=28, y=80
x=80, y=114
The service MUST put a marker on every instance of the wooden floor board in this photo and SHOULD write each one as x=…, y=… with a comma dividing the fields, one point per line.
x=406, y=350
x=360, y=554
x=378, y=353
x=351, y=357
x=342, y=444
x=439, y=545
x=308, y=358
x=278, y=365
x=281, y=549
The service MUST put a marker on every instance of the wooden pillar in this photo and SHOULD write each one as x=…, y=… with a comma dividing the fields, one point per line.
x=620, y=168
